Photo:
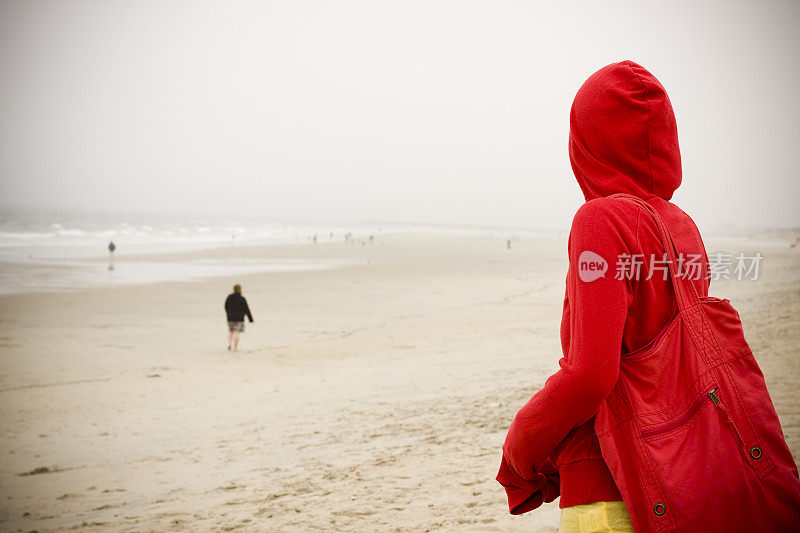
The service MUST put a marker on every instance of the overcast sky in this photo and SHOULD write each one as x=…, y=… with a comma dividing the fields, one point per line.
x=429, y=112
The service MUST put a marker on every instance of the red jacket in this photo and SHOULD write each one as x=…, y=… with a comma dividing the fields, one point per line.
x=685, y=422
x=623, y=138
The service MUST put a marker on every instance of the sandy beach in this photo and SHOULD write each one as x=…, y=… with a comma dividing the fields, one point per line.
x=373, y=396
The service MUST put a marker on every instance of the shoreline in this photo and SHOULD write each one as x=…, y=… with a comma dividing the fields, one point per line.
x=209, y=262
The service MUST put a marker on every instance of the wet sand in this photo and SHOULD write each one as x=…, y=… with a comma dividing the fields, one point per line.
x=371, y=397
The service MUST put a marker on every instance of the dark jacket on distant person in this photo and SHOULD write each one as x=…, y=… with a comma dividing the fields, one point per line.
x=236, y=307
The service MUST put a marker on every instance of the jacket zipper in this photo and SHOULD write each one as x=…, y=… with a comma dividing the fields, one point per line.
x=717, y=402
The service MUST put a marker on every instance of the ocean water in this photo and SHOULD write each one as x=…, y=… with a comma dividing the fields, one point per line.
x=26, y=235
x=64, y=250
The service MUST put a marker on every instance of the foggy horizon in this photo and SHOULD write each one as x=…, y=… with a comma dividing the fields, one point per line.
x=400, y=113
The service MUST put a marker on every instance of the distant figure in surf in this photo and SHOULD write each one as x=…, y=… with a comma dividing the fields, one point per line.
x=236, y=308
x=111, y=248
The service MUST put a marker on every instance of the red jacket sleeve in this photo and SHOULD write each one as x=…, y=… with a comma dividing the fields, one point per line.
x=590, y=367
x=528, y=494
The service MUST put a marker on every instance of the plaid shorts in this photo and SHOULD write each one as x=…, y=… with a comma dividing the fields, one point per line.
x=236, y=326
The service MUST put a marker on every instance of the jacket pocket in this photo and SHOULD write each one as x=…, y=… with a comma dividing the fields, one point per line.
x=751, y=453
x=676, y=424
x=697, y=448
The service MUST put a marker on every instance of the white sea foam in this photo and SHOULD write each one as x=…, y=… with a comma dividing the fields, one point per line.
x=46, y=251
x=37, y=236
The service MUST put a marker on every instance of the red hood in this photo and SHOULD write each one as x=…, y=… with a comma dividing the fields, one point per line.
x=623, y=136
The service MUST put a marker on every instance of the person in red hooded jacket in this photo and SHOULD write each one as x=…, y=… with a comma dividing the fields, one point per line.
x=623, y=139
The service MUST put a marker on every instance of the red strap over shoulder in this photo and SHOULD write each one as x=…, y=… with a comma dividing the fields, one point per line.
x=685, y=292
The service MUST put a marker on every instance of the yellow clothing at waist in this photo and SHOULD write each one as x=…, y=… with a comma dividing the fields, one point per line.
x=597, y=517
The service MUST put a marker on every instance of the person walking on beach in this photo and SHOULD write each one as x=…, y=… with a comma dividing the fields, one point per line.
x=659, y=418
x=236, y=308
x=111, y=248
